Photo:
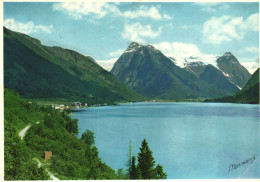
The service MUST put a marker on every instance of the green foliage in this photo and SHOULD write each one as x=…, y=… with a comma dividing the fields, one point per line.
x=18, y=163
x=88, y=137
x=19, y=112
x=50, y=130
x=129, y=161
x=135, y=170
x=121, y=174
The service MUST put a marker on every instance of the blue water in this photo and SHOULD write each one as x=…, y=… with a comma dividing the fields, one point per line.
x=190, y=140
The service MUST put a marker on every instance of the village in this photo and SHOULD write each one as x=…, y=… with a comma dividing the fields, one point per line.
x=75, y=105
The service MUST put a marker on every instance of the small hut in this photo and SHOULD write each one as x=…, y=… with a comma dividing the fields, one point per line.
x=47, y=154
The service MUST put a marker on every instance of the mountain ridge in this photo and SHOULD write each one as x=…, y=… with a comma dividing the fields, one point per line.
x=38, y=71
x=149, y=72
x=249, y=94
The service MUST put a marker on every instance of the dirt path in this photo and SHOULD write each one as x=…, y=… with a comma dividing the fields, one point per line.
x=22, y=134
x=49, y=173
x=23, y=131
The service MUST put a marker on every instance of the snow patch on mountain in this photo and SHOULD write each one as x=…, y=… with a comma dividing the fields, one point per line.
x=133, y=47
x=225, y=74
x=107, y=64
x=194, y=60
x=228, y=76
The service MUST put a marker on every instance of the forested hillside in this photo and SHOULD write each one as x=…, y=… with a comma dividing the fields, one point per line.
x=50, y=130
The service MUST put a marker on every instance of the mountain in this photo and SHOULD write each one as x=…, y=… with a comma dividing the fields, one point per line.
x=230, y=66
x=220, y=85
x=249, y=94
x=38, y=71
x=150, y=73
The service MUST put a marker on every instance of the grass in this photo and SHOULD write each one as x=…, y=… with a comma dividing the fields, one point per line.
x=51, y=101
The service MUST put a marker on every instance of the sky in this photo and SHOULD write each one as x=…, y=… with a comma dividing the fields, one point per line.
x=179, y=29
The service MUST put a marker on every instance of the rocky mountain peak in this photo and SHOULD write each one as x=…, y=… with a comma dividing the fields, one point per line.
x=198, y=63
x=228, y=54
x=133, y=47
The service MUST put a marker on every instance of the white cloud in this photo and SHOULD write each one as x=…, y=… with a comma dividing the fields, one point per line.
x=251, y=23
x=26, y=28
x=107, y=64
x=250, y=49
x=225, y=28
x=137, y=32
x=116, y=53
x=251, y=66
x=77, y=10
x=186, y=27
x=211, y=6
x=143, y=11
x=181, y=51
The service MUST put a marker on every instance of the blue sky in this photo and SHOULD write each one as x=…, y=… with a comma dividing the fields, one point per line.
x=104, y=30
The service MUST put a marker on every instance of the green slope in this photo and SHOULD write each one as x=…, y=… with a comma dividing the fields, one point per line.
x=38, y=71
x=50, y=131
x=249, y=94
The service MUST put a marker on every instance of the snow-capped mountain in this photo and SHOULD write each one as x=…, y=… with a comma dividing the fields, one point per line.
x=149, y=72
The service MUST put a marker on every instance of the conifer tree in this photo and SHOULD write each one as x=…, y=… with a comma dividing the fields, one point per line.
x=146, y=161
x=160, y=174
x=129, y=164
x=133, y=169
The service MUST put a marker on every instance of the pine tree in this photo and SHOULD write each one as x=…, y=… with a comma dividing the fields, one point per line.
x=129, y=164
x=146, y=161
x=138, y=174
x=160, y=174
x=133, y=169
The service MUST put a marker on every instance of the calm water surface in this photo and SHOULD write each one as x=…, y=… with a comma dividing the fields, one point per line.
x=191, y=140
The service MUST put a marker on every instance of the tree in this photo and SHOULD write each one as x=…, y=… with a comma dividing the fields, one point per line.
x=138, y=174
x=135, y=170
x=88, y=137
x=132, y=169
x=128, y=164
x=121, y=174
x=146, y=161
x=160, y=174
x=72, y=126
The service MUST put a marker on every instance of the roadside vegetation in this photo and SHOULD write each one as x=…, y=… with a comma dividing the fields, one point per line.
x=51, y=130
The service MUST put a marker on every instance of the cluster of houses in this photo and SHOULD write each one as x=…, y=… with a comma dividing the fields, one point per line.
x=75, y=105
x=78, y=105
x=59, y=106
